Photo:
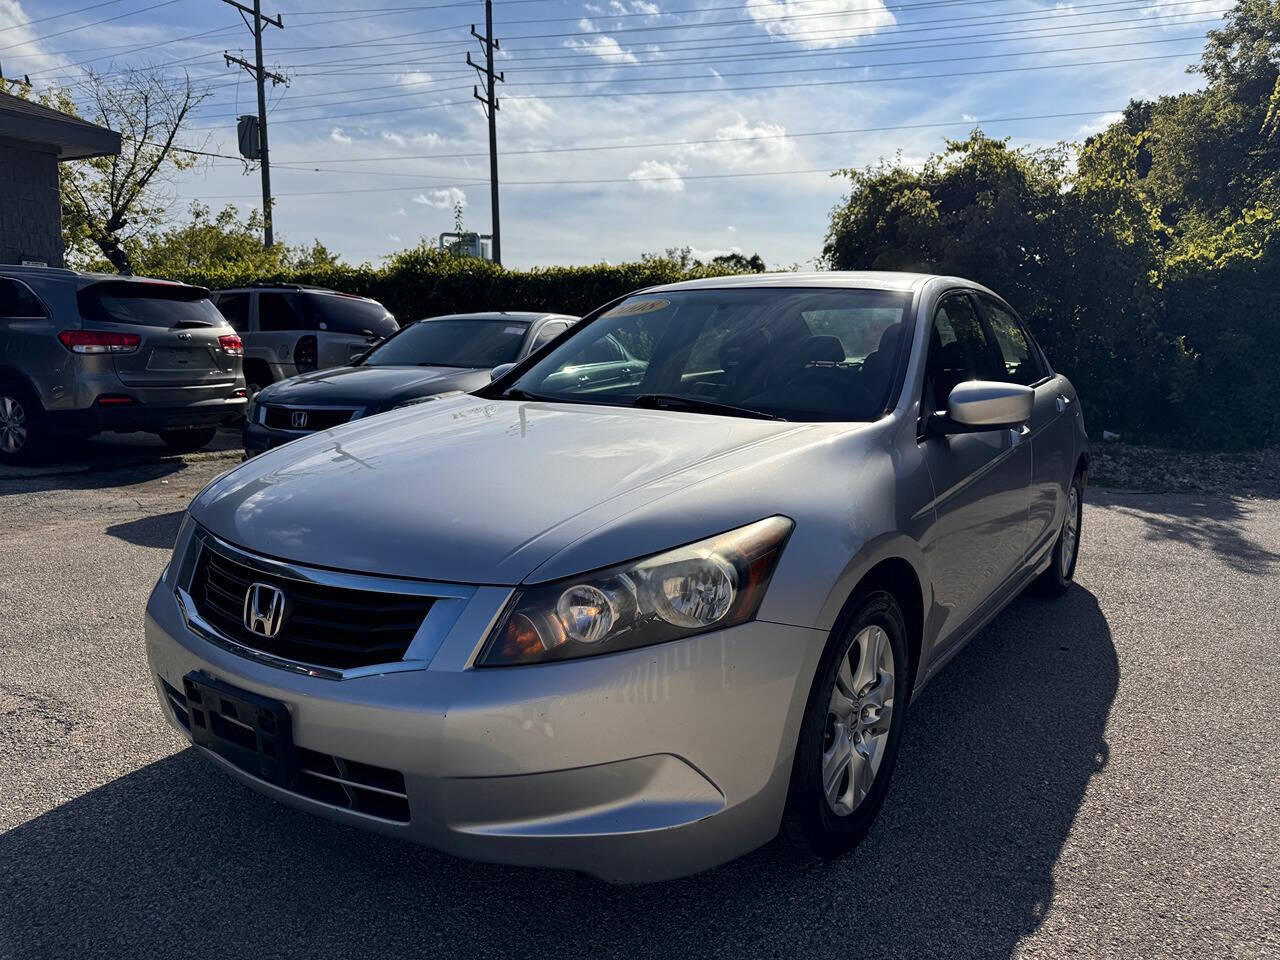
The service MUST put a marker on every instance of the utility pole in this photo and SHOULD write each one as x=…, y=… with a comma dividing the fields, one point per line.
x=490, y=104
x=260, y=75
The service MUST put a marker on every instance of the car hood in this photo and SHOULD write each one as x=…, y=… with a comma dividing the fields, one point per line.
x=476, y=491
x=366, y=386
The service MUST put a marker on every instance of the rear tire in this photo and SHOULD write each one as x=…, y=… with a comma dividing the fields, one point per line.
x=1057, y=579
x=851, y=729
x=22, y=435
x=190, y=439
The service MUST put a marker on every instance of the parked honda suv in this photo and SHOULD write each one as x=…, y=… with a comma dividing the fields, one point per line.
x=82, y=353
x=290, y=329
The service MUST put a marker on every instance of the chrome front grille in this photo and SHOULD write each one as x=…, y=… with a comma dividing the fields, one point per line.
x=321, y=625
x=306, y=419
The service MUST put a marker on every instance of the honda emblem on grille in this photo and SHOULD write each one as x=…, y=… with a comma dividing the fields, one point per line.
x=299, y=419
x=263, y=609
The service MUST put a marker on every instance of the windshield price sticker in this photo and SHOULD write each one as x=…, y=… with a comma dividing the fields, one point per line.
x=634, y=308
x=513, y=330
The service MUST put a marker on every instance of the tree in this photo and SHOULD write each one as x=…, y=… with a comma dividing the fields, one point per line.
x=109, y=201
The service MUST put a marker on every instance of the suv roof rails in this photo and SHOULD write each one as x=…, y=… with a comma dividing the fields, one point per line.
x=264, y=284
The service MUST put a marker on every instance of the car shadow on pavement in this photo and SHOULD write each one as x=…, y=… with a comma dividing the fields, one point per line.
x=159, y=530
x=178, y=858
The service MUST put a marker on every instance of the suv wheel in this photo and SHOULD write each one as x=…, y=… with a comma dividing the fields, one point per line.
x=20, y=425
x=189, y=439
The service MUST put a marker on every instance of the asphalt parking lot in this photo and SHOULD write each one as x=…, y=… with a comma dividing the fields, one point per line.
x=1095, y=776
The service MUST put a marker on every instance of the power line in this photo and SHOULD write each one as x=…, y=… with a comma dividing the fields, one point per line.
x=86, y=26
x=56, y=16
x=932, y=44
x=661, y=144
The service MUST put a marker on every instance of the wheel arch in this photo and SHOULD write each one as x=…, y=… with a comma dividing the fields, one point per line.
x=898, y=576
x=15, y=375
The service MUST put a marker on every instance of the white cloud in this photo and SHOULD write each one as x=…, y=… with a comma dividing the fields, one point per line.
x=732, y=229
x=643, y=6
x=617, y=7
x=395, y=138
x=1098, y=124
x=414, y=77
x=402, y=212
x=658, y=176
x=337, y=136
x=968, y=117
x=804, y=18
x=606, y=48
x=712, y=252
x=445, y=198
x=593, y=8
x=772, y=146
x=529, y=113
x=393, y=237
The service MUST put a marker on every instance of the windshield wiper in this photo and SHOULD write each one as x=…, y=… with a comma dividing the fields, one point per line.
x=515, y=393
x=668, y=401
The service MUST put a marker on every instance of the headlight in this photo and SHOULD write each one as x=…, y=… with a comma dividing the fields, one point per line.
x=174, y=571
x=714, y=583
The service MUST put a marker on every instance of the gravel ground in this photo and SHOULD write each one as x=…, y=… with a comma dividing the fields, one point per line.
x=1094, y=776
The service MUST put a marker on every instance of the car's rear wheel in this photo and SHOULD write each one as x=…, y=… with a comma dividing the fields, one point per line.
x=851, y=729
x=190, y=439
x=21, y=425
x=1057, y=579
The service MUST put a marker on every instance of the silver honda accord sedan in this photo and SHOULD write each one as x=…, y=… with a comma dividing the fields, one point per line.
x=659, y=589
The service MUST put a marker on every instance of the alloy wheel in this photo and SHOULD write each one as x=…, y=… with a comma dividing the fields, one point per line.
x=13, y=425
x=859, y=715
x=1070, y=532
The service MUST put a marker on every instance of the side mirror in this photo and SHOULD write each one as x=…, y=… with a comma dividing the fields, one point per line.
x=501, y=370
x=981, y=405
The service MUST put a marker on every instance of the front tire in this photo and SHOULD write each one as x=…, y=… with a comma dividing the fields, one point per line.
x=851, y=729
x=185, y=440
x=1057, y=579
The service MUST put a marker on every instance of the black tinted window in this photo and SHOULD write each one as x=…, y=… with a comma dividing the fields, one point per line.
x=548, y=333
x=235, y=307
x=338, y=313
x=17, y=301
x=452, y=343
x=148, y=304
x=1021, y=363
x=958, y=352
x=279, y=311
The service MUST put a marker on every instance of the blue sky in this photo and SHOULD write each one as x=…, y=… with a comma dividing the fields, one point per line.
x=774, y=94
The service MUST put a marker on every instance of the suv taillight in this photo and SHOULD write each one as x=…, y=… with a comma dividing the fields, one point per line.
x=99, y=341
x=304, y=354
x=232, y=344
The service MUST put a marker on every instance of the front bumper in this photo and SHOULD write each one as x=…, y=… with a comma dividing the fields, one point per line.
x=643, y=765
x=258, y=438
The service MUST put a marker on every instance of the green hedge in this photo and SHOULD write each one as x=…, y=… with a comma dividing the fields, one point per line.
x=424, y=283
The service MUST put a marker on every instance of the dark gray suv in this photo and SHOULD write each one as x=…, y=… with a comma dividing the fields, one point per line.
x=82, y=353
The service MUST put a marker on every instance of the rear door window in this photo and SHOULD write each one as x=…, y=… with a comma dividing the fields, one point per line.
x=280, y=311
x=17, y=301
x=235, y=307
x=148, y=304
x=339, y=313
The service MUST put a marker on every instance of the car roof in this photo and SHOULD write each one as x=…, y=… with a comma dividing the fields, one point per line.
x=260, y=286
x=80, y=277
x=864, y=279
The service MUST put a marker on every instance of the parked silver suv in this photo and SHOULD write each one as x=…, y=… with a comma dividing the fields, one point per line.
x=290, y=329
x=81, y=353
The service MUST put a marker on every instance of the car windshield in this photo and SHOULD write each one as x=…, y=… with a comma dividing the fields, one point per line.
x=149, y=304
x=791, y=353
x=481, y=343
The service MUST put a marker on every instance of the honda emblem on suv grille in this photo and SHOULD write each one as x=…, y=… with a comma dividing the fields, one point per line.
x=263, y=609
x=299, y=419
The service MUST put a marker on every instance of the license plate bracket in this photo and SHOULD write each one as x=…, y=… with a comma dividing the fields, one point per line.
x=253, y=732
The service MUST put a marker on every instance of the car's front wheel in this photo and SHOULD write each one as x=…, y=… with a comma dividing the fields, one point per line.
x=851, y=729
x=188, y=439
